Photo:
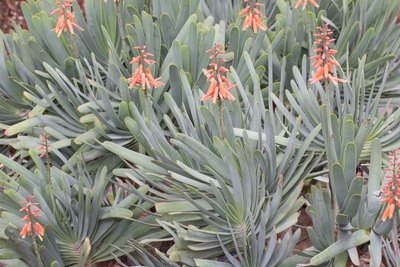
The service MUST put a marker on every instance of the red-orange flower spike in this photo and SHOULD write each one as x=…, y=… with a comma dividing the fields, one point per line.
x=62, y=5
x=391, y=190
x=66, y=19
x=305, y=2
x=142, y=75
x=31, y=228
x=220, y=85
x=44, y=147
x=324, y=61
x=253, y=16
x=219, y=89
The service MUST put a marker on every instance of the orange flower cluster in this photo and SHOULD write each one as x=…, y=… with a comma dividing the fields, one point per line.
x=220, y=85
x=142, y=75
x=31, y=228
x=391, y=190
x=44, y=147
x=324, y=61
x=253, y=16
x=66, y=19
x=305, y=2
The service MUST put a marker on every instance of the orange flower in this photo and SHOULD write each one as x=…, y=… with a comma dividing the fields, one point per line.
x=253, y=16
x=391, y=190
x=305, y=2
x=389, y=211
x=31, y=228
x=142, y=75
x=324, y=61
x=219, y=88
x=44, y=147
x=220, y=85
x=66, y=19
x=27, y=229
x=62, y=6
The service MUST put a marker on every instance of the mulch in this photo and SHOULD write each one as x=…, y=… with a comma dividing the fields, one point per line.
x=10, y=11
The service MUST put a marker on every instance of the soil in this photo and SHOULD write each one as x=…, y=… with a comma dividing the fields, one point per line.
x=10, y=11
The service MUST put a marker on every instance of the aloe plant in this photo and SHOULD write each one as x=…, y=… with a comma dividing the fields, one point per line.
x=213, y=175
x=85, y=223
x=360, y=30
x=221, y=183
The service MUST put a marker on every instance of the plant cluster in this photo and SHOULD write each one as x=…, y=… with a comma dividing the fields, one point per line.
x=201, y=133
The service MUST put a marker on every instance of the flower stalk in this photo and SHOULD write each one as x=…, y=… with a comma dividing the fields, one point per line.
x=220, y=86
x=216, y=74
x=324, y=60
x=44, y=149
x=253, y=16
x=66, y=22
x=32, y=227
x=142, y=76
x=305, y=2
x=391, y=190
x=66, y=18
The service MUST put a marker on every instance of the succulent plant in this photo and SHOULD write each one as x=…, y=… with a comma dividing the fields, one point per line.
x=204, y=126
x=86, y=218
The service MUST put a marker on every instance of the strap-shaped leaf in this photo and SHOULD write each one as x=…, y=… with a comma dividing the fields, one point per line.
x=355, y=239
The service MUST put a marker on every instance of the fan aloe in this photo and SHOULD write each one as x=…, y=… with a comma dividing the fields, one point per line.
x=85, y=223
x=220, y=184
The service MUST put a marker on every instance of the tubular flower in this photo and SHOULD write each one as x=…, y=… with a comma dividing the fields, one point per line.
x=220, y=85
x=142, y=75
x=66, y=19
x=305, y=2
x=253, y=16
x=324, y=61
x=31, y=228
x=391, y=190
x=44, y=147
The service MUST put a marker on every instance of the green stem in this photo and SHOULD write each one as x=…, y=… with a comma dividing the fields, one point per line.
x=71, y=44
x=329, y=138
x=221, y=119
x=394, y=237
x=34, y=236
x=147, y=103
x=36, y=248
x=150, y=6
x=253, y=40
x=119, y=3
x=74, y=47
x=48, y=163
